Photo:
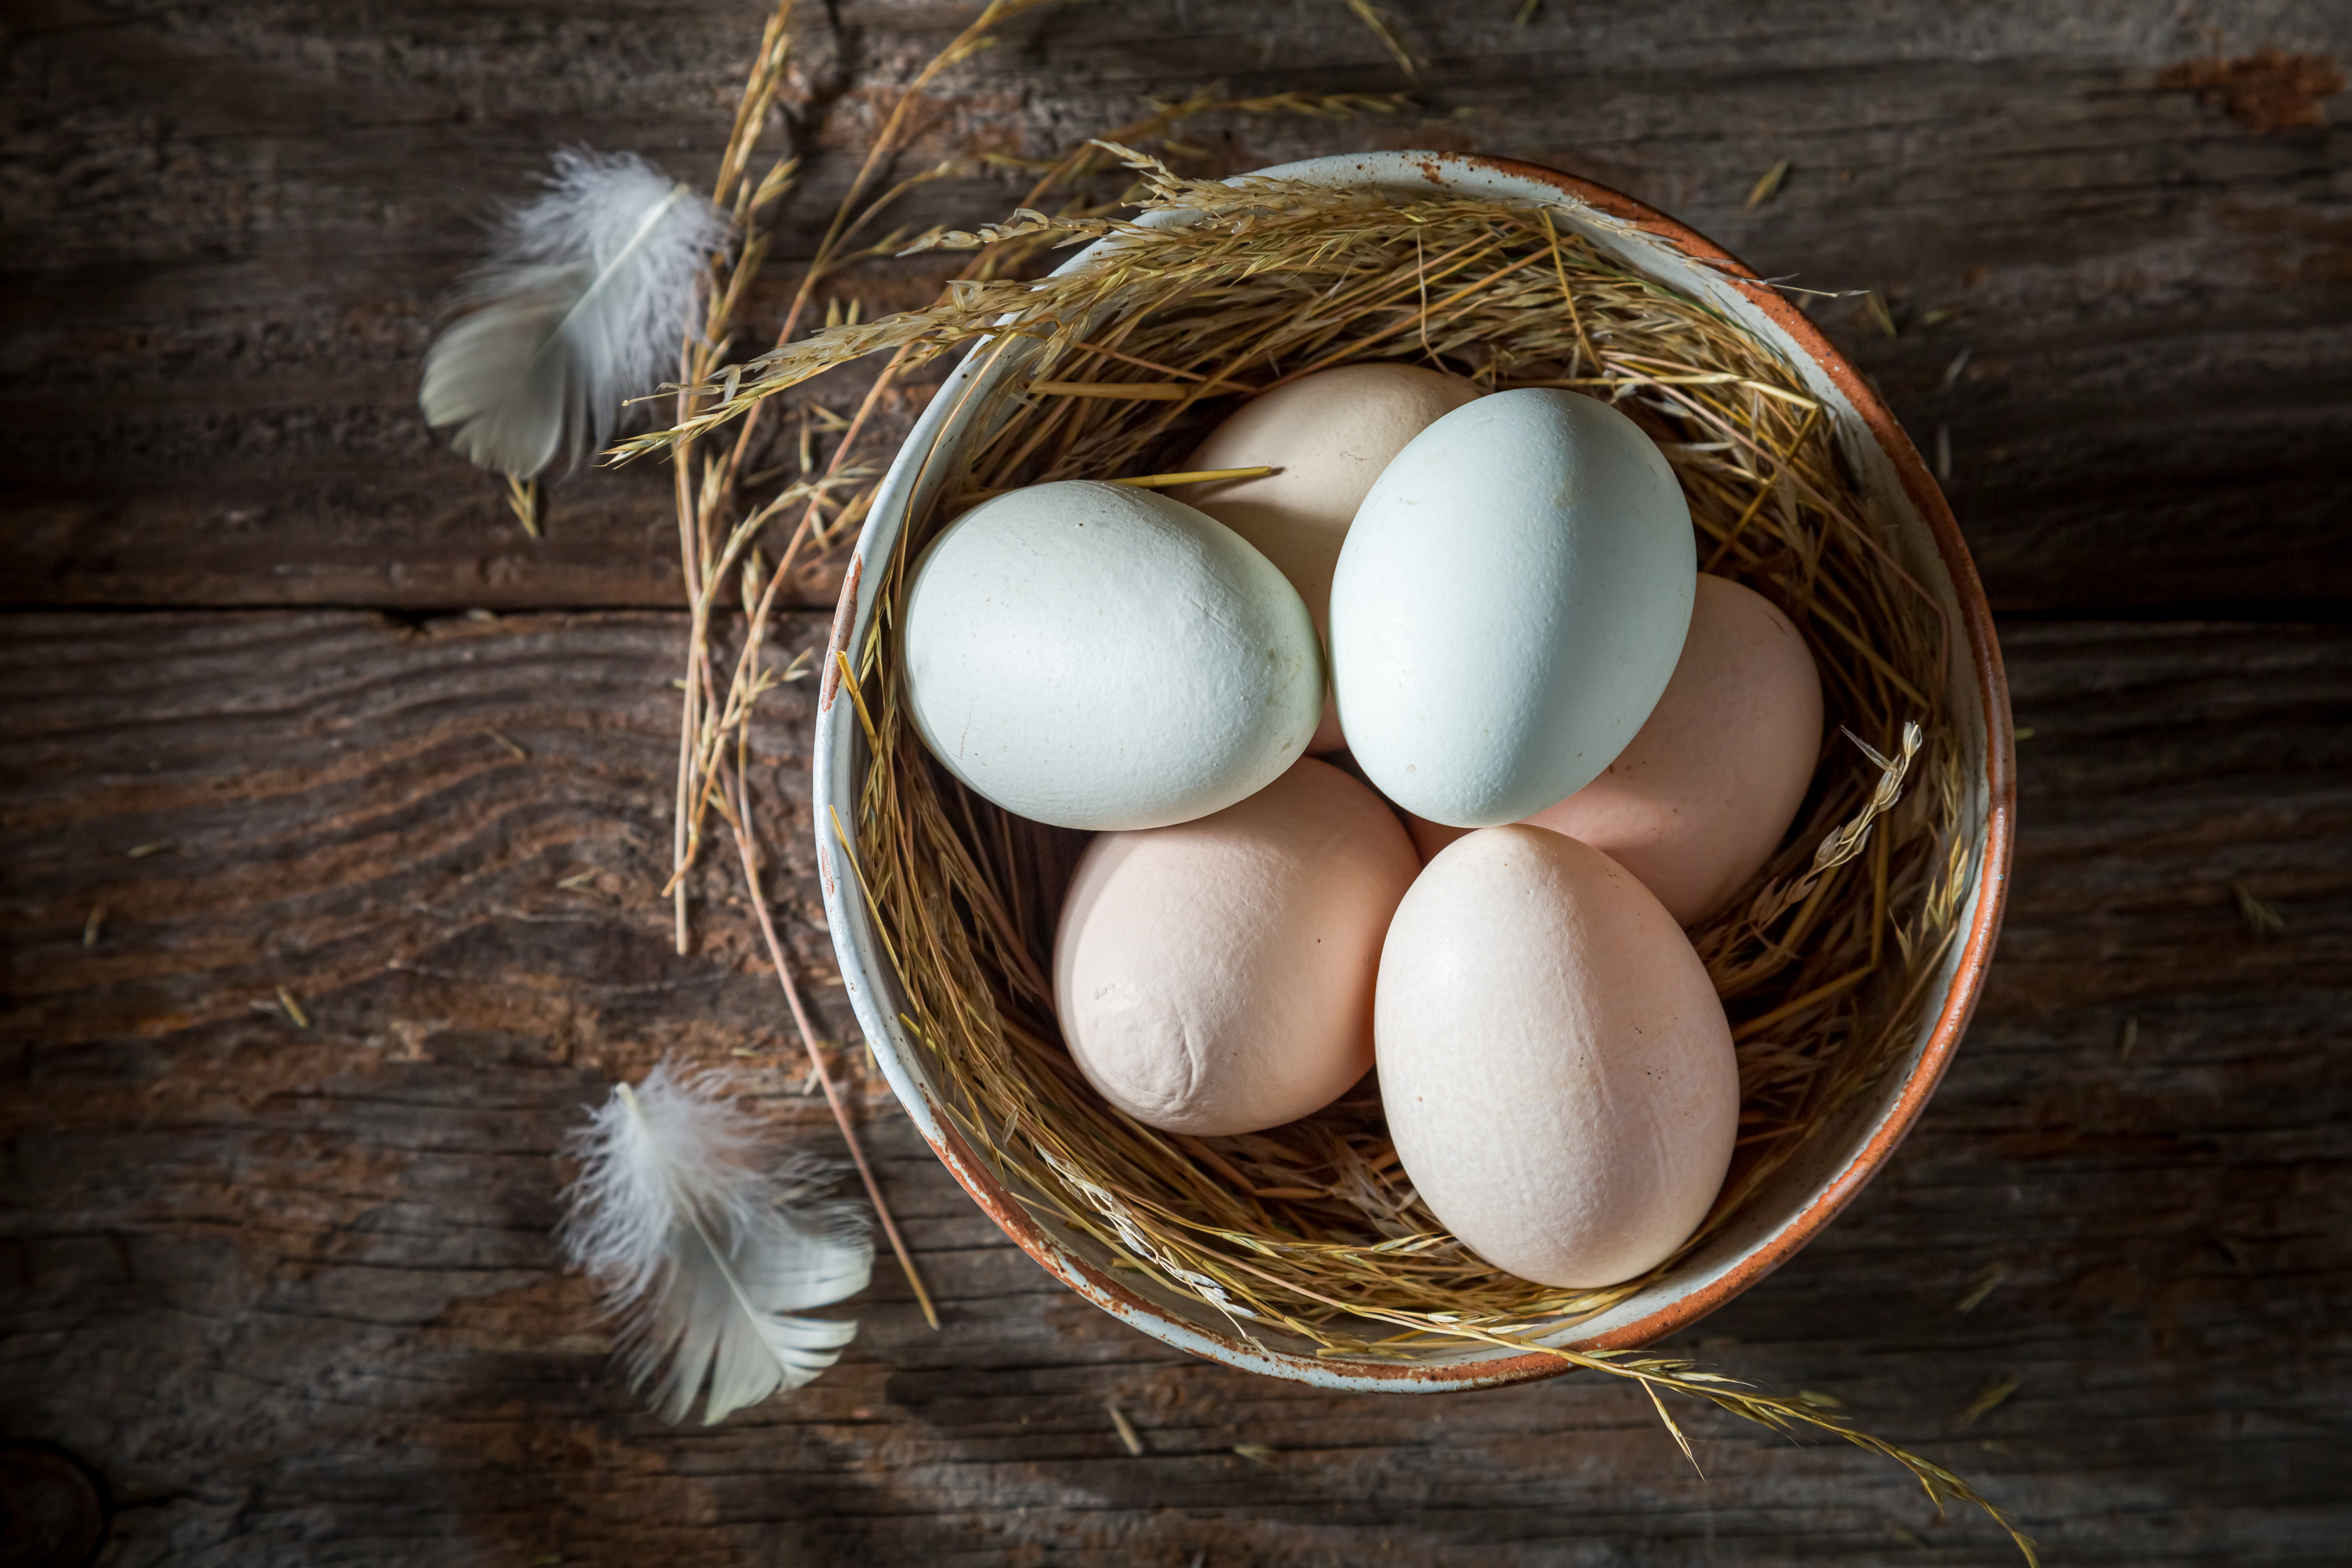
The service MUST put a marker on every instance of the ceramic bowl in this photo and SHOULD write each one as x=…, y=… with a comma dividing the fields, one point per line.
x=1808, y=1189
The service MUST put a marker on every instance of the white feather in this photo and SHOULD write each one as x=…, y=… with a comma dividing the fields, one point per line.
x=592, y=288
x=703, y=1248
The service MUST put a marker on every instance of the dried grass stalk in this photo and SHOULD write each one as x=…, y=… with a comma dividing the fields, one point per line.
x=1310, y=1233
x=720, y=533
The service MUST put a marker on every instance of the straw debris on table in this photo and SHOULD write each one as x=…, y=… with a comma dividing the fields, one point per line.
x=1310, y=1236
x=720, y=531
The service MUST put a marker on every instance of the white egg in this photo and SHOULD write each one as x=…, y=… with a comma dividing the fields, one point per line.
x=1327, y=436
x=1510, y=605
x=1555, y=1066
x=1095, y=656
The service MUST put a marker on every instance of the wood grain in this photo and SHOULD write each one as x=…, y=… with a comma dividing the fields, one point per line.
x=292, y=1290
x=226, y=231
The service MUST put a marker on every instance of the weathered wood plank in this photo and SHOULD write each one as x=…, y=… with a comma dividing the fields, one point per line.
x=226, y=231
x=293, y=1290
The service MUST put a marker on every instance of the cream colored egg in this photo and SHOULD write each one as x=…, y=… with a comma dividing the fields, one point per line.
x=1216, y=977
x=1328, y=435
x=1705, y=793
x=1556, y=1068
x=1095, y=656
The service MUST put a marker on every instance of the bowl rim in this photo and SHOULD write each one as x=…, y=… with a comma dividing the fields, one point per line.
x=853, y=613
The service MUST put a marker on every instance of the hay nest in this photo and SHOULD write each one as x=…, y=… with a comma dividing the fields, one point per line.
x=1312, y=1231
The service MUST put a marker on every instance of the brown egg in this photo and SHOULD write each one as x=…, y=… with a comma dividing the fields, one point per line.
x=1556, y=1068
x=1704, y=792
x=1216, y=976
x=1328, y=435
x=1428, y=838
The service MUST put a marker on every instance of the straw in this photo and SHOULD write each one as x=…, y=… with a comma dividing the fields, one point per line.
x=1310, y=1236
x=1272, y=278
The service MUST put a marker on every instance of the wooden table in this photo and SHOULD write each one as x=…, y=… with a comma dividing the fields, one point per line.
x=293, y=710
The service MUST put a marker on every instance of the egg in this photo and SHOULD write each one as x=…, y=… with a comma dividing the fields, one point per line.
x=1558, y=1074
x=1706, y=790
x=1508, y=605
x=1328, y=435
x=1216, y=977
x=1096, y=656
x=1428, y=838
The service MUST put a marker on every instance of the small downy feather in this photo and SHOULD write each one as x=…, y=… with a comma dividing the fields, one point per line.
x=703, y=1248
x=582, y=307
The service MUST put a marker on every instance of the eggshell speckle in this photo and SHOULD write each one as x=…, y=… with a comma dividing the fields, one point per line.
x=1216, y=977
x=1557, y=1071
x=1328, y=435
x=1705, y=793
x=1508, y=605
x=1096, y=656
